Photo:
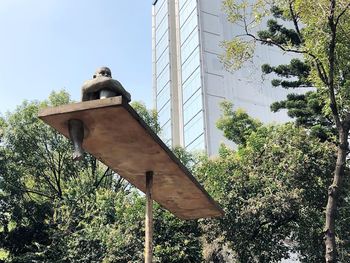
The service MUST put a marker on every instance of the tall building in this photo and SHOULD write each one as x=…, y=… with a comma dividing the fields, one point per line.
x=189, y=81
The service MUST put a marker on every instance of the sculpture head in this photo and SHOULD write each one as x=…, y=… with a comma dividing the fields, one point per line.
x=103, y=72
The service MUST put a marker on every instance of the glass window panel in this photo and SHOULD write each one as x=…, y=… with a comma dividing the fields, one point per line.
x=161, y=21
x=161, y=17
x=189, y=25
x=187, y=9
x=162, y=45
x=159, y=4
x=164, y=114
x=190, y=65
x=189, y=45
x=162, y=61
x=163, y=78
x=165, y=132
x=182, y=3
x=193, y=106
x=162, y=28
x=194, y=128
x=191, y=85
x=163, y=97
x=197, y=145
x=160, y=7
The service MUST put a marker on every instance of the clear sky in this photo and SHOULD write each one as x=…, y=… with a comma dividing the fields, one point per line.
x=49, y=45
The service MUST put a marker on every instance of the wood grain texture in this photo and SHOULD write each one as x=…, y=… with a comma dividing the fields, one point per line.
x=117, y=136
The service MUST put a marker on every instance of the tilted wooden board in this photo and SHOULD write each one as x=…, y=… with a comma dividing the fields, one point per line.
x=117, y=136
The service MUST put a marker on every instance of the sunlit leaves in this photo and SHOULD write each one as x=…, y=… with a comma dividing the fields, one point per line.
x=237, y=52
x=236, y=125
x=269, y=189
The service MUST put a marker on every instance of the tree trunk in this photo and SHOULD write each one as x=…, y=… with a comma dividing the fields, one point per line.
x=333, y=196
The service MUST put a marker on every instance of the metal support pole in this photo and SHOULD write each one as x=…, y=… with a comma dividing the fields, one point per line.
x=149, y=218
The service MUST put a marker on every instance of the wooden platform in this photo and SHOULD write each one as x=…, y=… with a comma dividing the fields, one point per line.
x=118, y=137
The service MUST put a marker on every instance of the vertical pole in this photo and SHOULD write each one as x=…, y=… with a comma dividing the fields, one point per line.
x=149, y=219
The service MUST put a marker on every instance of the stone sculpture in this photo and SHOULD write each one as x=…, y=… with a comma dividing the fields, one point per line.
x=103, y=86
x=99, y=87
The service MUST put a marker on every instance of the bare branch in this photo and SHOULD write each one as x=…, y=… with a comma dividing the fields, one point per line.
x=295, y=20
x=31, y=191
x=108, y=172
x=342, y=13
x=27, y=191
x=331, y=61
x=320, y=68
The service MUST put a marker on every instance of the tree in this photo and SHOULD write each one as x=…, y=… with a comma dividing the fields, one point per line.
x=55, y=210
x=177, y=240
x=149, y=116
x=272, y=191
x=40, y=160
x=320, y=34
x=37, y=166
x=236, y=125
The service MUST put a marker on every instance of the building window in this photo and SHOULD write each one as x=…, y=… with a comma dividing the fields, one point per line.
x=193, y=106
x=189, y=45
x=190, y=65
x=164, y=114
x=163, y=61
x=197, y=145
x=191, y=85
x=193, y=129
x=165, y=133
x=186, y=10
x=163, y=97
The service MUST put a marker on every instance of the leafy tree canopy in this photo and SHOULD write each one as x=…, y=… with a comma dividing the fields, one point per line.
x=272, y=191
x=319, y=33
x=55, y=210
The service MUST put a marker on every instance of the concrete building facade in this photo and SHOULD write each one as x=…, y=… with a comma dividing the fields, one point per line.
x=189, y=80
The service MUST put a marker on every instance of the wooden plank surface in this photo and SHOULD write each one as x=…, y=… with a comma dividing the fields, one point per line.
x=117, y=136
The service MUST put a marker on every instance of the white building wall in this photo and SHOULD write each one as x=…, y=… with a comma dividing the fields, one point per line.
x=246, y=88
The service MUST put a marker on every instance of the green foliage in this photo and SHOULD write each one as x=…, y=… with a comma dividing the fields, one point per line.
x=37, y=152
x=149, y=116
x=25, y=225
x=176, y=240
x=38, y=166
x=296, y=68
x=272, y=191
x=237, y=52
x=319, y=33
x=236, y=125
x=308, y=110
x=98, y=225
x=55, y=210
x=306, y=32
x=189, y=160
x=31, y=173
x=278, y=33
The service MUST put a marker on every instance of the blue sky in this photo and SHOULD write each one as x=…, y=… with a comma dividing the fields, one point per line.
x=49, y=45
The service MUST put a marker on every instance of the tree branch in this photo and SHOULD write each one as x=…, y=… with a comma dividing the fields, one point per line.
x=105, y=174
x=295, y=20
x=47, y=179
x=342, y=13
x=331, y=61
x=320, y=68
x=32, y=191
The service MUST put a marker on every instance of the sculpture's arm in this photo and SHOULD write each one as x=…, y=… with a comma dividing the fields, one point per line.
x=98, y=84
x=119, y=89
